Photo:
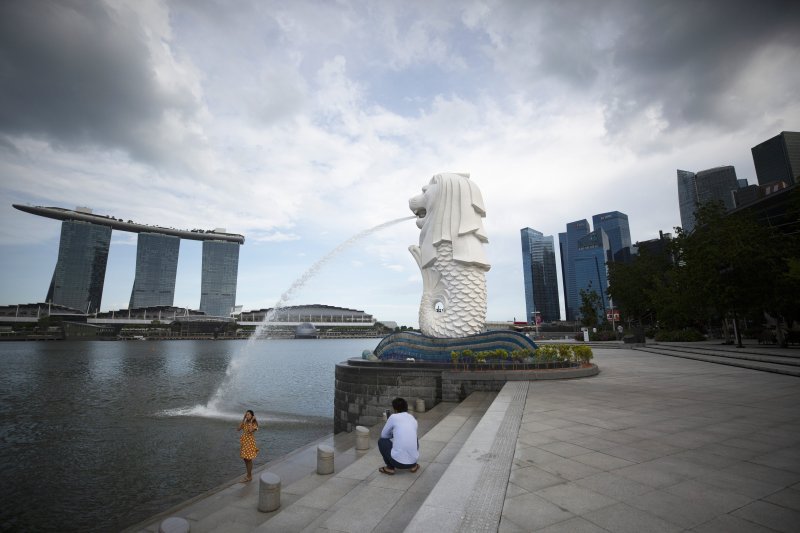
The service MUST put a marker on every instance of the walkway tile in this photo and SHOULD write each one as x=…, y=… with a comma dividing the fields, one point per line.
x=531, y=512
x=729, y=480
x=564, y=449
x=568, y=468
x=534, y=439
x=629, y=453
x=771, y=516
x=573, y=525
x=683, y=467
x=651, y=474
x=730, y=524
x=673, y=508
x=574, y=498
x=703, y=457
x=602, y=461
x=594, y=443
x=614, y=486
x=782, y=459
x=765, y=473
x=623, y=518
x=532, y=479
x=789, y=498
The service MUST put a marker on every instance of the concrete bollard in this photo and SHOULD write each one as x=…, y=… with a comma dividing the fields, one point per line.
x=362, y=438
x=174, y=524
x=420, y=405
x=269, y=492
x=324, y=459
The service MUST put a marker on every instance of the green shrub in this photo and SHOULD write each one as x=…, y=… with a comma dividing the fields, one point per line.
x=521, y=353
x=546, y=353
x=582, y=353
x=564, y=352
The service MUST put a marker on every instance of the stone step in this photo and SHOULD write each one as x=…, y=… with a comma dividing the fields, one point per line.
x=765, y=363
x=233, y=505
x=358, y=498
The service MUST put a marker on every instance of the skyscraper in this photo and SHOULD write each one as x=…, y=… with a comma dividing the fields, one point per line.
x=687, y=198
x=616, y=226
x=717, y=185
x=568, y=247
x=218, y=283
x=778, y=159
x=541, y=281
x=81, y=267
x=590, y=268
x=713, y=185
x=156, y=269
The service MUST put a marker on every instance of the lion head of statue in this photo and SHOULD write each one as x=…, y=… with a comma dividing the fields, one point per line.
x=451, y=209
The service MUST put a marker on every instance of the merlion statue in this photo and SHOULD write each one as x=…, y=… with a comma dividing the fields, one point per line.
x=450, y=256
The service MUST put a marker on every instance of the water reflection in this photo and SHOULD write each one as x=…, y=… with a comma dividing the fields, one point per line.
x=90, y=440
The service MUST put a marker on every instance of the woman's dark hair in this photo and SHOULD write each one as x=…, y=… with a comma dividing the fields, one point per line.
x=400, y=405
x=254, y=416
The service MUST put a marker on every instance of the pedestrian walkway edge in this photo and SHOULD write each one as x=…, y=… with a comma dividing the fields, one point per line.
x=470, y=494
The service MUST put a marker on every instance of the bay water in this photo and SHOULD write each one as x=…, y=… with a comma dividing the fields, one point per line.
x=98, y=436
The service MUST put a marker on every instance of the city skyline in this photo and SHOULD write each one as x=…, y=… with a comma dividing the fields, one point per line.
x=303, y=124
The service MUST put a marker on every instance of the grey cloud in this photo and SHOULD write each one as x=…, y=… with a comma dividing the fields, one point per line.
x=76, y=73
x=681, y=56
x=687, y=57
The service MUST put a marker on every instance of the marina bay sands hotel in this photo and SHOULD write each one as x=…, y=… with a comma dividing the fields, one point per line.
x=83, y=254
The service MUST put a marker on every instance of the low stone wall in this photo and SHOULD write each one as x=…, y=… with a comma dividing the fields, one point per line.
x=364, y=389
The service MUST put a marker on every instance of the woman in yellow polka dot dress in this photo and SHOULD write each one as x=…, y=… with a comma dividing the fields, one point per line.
x=249, y=450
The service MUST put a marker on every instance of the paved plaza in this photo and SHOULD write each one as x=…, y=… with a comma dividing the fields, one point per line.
x=653, y=443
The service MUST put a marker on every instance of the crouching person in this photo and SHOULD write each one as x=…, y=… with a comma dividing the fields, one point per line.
x=399, y=444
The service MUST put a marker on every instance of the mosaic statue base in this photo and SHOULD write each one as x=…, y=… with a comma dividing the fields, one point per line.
x=404, y=345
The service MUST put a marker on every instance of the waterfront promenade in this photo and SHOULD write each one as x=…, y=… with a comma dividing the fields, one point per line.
x=653, y=443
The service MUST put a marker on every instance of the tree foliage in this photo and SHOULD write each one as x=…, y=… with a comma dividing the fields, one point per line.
x=591, y=307
x=635, y=286
x=730, y=264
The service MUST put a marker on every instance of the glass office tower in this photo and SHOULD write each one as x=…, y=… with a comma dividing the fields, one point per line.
x=568, y=246
x=717, y=185
x=590, y=267
x=81, y=267
x=778, y=159
x=220, y=271
x=687, y=199
x=616, y=226
x=712, y=185
x=156, y=270
x=541, y=281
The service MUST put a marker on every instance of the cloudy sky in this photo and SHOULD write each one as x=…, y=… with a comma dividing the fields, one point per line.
x=300, y=124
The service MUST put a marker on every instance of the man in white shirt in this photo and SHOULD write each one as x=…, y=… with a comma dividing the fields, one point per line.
x=398, y=444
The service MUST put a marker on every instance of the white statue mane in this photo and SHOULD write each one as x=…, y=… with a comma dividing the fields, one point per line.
x=450, y=256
